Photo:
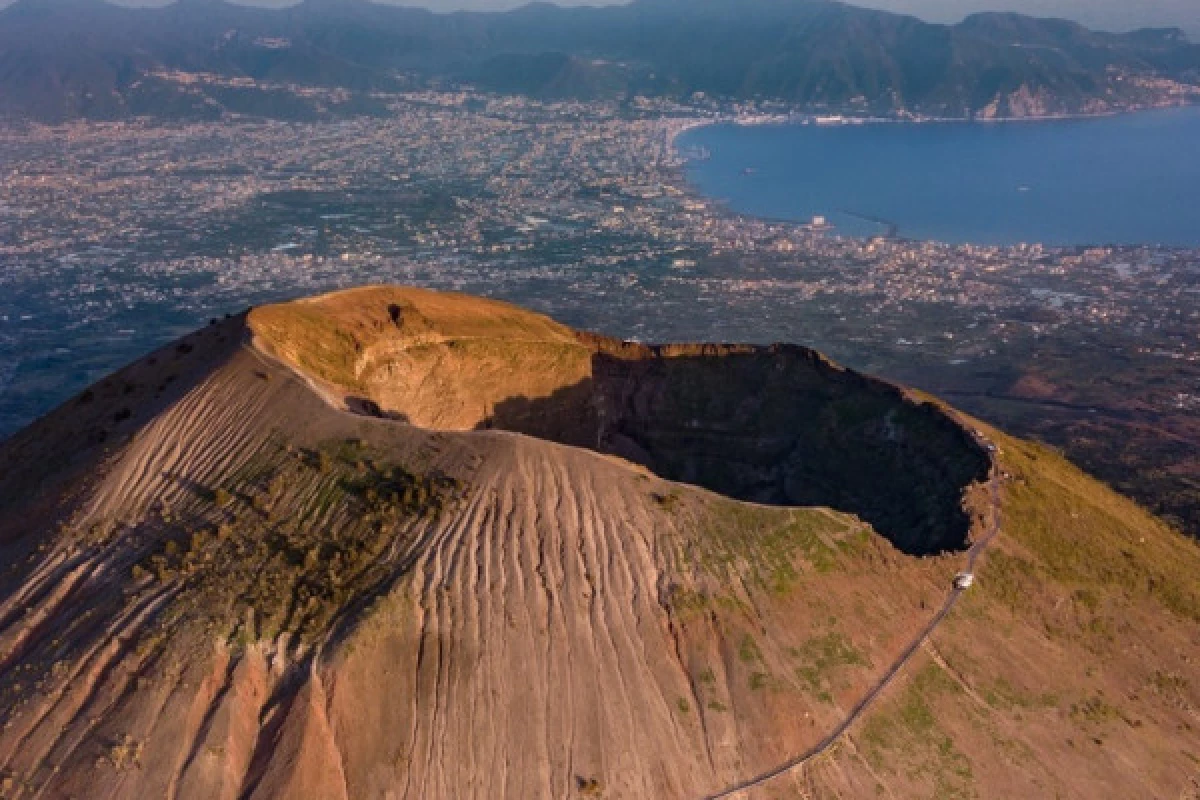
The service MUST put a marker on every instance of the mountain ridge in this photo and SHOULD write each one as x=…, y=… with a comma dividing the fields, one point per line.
x=810, y=54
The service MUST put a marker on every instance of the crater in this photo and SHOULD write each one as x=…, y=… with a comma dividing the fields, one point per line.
x=777, y=425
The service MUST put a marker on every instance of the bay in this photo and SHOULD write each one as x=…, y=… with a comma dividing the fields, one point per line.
x=1128, y=179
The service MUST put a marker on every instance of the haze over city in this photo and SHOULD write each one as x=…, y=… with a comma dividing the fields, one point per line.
x=1115, y=15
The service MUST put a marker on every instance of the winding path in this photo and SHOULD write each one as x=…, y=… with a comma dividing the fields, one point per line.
x=901, y=661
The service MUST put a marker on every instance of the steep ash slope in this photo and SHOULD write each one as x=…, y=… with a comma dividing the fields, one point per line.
x=219, y=584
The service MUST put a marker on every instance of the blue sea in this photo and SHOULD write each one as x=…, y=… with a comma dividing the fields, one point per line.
x=1129, y=179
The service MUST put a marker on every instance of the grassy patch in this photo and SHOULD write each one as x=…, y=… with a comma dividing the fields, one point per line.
x=1168, y=683
x=1095, y=710
x=1002, y=695
x=123, y=754
x=683, y=600
x=824, y=657
x=1008, y=579
x=748, y=650
x=905, y=735
x=771, y=548
x=1092, y=541
x=309, y=536
x=315, y=340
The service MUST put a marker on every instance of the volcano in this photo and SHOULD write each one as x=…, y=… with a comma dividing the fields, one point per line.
x=402, y=544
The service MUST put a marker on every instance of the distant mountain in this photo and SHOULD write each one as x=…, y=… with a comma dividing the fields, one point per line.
x=61, y=59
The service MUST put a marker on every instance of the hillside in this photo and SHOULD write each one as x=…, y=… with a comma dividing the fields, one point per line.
x=197, y=59
x=393, y=543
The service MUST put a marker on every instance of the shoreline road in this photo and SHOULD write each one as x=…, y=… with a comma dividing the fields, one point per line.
x=901, y=661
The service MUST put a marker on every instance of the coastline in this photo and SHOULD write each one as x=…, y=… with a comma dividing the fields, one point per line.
x=687, y=124
x=685, y=157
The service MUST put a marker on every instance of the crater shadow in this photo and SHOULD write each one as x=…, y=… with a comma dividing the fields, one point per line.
x=777, y=425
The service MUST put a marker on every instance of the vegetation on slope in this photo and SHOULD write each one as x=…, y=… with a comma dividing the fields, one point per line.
x=1082, y=536
x=1077, y=642
x=291, y=540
